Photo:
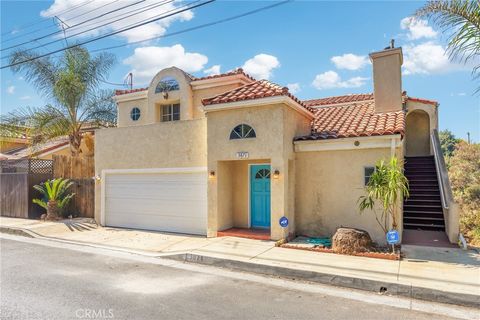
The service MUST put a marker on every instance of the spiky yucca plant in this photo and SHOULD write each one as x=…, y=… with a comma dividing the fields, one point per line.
x=460, y=19
x=387, y=185
x=55, y=196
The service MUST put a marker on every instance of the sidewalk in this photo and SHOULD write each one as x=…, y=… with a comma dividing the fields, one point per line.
x=444, y=275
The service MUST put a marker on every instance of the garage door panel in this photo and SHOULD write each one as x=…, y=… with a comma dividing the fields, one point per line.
x=173, y=202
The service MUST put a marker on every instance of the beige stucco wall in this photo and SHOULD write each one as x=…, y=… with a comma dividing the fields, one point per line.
x=328, y=185
x=124, y=109
x=275, y=127
x=160, y=145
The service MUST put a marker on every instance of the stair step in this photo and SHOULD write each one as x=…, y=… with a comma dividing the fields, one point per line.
x=417, y=196
x=410, y=201
x=415, y=226
x=423, y=190
x=413, y=213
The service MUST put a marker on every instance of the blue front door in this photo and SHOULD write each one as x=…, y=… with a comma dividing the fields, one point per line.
x=260, y=196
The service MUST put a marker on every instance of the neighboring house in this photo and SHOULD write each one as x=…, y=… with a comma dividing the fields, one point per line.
x=202, y=155
x=44, y=151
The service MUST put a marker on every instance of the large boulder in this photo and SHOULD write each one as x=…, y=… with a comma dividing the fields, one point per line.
x=351, y=240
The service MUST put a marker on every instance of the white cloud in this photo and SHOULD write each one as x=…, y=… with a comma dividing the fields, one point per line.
x=417, y=28
x=331, y=80
x=150, y=9
x=147, y=61
x=350, y=61
x=11, y=89
x=426, y=58
x=25, y=98
x=293, y=87
x=213, y=70
x=261, y=66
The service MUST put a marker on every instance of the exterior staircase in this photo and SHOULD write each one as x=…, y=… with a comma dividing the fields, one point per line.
x=423, y=209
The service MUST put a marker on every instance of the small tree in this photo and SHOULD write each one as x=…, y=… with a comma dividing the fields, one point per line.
x=387, y=185
x=448, y=142
x=55, y=196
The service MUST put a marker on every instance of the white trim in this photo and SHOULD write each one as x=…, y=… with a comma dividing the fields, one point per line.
x=138, y=95
x=389, y=141
x=260, y=102
x=105, y=172
x=249, y=192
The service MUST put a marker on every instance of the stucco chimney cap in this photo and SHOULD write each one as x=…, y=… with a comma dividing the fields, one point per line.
x=387, y=52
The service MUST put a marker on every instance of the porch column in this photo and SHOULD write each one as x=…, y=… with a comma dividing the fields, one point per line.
x=279, y=198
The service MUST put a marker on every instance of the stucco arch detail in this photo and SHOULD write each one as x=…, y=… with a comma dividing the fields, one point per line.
x=417, y=133
x=184, y=96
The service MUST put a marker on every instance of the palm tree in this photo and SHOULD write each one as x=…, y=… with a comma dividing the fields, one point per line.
x=461, y=20
x=71, y=86
x=387, y=185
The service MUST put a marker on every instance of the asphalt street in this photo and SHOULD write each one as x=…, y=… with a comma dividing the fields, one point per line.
x=44, y=282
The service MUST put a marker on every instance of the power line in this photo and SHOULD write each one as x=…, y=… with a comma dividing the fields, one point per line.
x=201, y=26
x=105, y=24
x=49, y=27
x=73, y=26
x=27, y=26
x=107, y=35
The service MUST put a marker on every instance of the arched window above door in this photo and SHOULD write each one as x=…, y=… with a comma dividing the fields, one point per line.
x=167, y=84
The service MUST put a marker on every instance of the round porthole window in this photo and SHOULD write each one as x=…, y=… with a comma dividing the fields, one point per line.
x=135, y=114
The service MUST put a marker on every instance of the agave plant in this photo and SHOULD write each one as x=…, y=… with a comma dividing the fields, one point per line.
x=55, y=196
x=387, y=185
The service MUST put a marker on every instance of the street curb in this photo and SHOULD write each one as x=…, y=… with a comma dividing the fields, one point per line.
x=17, y=232
x=394, y=289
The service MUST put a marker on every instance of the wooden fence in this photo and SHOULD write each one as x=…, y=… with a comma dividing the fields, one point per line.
x=81, y=171
x=73, y=167
x=17, y=178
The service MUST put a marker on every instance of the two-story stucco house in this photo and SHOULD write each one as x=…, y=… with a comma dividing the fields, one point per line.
x=202, y=155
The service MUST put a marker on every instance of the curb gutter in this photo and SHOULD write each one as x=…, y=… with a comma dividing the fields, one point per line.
x=394, y=289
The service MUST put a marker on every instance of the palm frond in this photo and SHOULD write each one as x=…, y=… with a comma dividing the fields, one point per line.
x=460, y=19
x=41, y=203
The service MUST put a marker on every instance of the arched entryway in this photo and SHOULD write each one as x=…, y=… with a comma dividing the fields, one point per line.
x=417, y=134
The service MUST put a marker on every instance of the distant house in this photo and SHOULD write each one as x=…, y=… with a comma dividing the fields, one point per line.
x=202, y=155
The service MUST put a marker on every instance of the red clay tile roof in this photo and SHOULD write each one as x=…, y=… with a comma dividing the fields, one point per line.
x=120, y=92
x=354, y=120
x=338, y=99
x=193, y=78
x=229, y=73
x=423, y=100
x=255, y=90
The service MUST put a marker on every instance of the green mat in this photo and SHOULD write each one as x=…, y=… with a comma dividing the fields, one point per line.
x=327, y=242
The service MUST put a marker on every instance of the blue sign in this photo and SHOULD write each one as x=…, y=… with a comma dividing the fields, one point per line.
x=392, y=237
x=283, y=222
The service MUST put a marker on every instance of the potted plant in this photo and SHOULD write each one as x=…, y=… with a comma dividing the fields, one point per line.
x=55, y=196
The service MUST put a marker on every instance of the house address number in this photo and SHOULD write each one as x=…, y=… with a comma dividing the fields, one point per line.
x=242, y=155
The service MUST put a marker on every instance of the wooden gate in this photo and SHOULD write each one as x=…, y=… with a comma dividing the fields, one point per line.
x=17, y=178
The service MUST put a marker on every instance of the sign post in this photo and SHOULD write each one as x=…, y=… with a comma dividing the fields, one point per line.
x=393, y=238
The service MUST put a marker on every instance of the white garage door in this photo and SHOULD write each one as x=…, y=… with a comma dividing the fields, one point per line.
x=162, y=201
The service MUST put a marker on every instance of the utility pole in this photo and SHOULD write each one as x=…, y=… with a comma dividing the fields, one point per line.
x=468, y=137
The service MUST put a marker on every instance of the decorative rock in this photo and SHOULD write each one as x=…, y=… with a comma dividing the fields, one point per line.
x=350, y=240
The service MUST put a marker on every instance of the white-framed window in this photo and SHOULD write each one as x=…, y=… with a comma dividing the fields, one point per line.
x=242, y=131
x=368, y=171
x=170, y=112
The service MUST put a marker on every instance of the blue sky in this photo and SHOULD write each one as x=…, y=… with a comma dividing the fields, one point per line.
x=318, y=49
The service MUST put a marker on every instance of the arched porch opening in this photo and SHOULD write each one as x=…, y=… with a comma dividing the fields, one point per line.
x=417, y=134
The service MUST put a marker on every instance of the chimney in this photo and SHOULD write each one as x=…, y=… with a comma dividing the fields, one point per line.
x=387, y=78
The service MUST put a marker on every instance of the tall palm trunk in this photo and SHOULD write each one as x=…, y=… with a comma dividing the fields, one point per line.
x=75, y=140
